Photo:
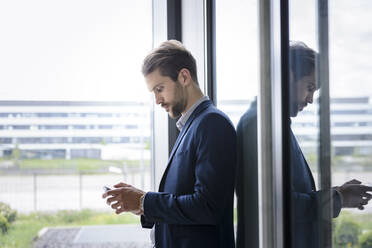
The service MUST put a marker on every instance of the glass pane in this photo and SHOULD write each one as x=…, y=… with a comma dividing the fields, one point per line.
x=74, y=109
x=351, y=108
x=237, y=56
x=304, y=125
x=237, y=87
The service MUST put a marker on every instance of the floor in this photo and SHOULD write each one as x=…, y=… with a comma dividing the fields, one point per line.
x=107, y=236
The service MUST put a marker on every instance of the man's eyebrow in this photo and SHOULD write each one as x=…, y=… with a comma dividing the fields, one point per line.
x=316, y=85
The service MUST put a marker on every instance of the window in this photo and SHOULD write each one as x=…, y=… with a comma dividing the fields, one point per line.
x=237, y=56
x=73, y=100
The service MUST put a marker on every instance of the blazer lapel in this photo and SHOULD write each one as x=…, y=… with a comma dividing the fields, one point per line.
x=310, y=174
x=196, y=113
x=306, y=164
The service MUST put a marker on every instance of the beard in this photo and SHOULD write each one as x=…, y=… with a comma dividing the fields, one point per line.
x=293, y=109
x=176, y=110
x=180, y=102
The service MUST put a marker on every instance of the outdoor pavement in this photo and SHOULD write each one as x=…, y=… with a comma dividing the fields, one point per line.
x=107, y=236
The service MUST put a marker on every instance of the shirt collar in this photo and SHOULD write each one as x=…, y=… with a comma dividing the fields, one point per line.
x=183, y=119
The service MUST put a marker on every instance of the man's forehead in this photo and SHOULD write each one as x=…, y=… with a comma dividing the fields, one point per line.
x=152, y=80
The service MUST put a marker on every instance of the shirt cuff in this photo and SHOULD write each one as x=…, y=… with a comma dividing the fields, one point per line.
x=339, y=194
x=337, y=202
x=142, y=200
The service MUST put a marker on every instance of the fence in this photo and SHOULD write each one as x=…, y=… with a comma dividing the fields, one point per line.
x=48, y=192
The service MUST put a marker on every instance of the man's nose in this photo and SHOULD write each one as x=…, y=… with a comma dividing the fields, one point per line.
x=157, y=99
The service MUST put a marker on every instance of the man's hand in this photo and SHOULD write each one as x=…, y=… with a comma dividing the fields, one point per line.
x=355, y=194
x=124, y=198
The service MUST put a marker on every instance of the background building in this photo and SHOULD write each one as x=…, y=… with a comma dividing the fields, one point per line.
x=121, y=130
x=68, y=129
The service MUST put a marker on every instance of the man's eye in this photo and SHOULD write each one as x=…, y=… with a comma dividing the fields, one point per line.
x=159, y=89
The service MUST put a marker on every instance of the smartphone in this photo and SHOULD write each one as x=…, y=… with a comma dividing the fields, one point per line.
x=105, y=188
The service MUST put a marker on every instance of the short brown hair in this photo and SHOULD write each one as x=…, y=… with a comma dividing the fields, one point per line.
x=302, y=59
x=170, y=57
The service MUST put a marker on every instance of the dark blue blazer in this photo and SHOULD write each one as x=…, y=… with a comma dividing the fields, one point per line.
x=305, y=198
x=194, y=205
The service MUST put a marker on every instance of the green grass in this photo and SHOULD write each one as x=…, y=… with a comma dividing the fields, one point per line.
x=26, y=227
x=78, y=164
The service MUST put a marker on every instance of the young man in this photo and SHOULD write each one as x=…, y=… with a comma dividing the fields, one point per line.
x=305, y=205
x=194, y=205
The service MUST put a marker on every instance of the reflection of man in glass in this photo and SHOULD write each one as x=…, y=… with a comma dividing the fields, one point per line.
x=306, y=204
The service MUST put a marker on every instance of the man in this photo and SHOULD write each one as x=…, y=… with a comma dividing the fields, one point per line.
x=305, y=198
x=194, y=205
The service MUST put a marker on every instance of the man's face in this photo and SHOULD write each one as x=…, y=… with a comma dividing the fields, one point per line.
x=303, y=93
x=169, y=94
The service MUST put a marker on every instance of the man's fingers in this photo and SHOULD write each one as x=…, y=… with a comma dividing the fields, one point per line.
x=116, y=205
x=361, y=207
x=366, y=195
x=366, y=188
x=359, y=188
x=119, y=210
x=364, y=202
x=111, y=192
x=121, y=184
x=354, y=181
x=112, y=199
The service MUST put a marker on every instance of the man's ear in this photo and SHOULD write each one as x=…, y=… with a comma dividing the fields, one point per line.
x=184, y=77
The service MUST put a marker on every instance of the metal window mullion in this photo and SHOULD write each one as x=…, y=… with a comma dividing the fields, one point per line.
x=324, y=163
x=286, y=151
x=210, y=49
x=159, y=121
x=174, y=25
x=270, y=127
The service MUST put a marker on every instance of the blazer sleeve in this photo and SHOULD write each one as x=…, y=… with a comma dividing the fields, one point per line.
x=247, y=232
x=215, y=161
x=146, y=223
x=307, y=205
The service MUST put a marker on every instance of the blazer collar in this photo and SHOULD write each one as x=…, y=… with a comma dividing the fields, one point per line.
x=196, y=113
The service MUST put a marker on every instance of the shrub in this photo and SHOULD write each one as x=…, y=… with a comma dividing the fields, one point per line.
x=346, y=234
x=365, y=240
x=4, y=224
x=7, y=212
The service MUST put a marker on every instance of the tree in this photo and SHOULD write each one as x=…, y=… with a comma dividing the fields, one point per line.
x=346, y=234
x=365, y=240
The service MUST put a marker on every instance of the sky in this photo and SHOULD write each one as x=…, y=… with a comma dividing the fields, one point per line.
x=93, y=49
x=74, y=49
x=350, y=44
